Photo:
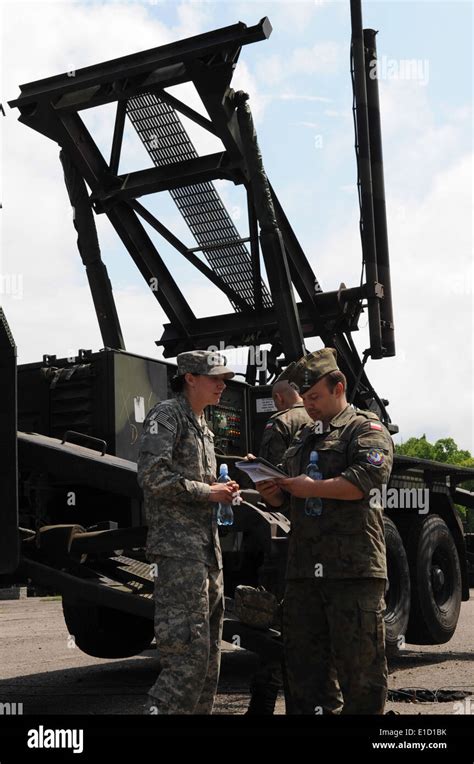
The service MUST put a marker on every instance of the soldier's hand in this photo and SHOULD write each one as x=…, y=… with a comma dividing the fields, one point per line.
x=302, y=486
x=270, y=491
x=223, y=492
x=249, y=457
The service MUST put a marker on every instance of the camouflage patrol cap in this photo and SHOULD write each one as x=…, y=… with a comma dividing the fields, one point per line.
x=312, y=367
x=205, y=362
x=285, y=375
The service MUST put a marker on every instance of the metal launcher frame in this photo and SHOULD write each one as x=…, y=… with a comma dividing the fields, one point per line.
x=138, y=85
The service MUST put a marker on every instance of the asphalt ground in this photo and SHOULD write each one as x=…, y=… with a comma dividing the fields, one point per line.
x=42, y=669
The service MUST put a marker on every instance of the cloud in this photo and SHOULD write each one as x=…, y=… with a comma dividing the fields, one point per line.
x=321, y=58
x=276, y=71
x=419, y=136
x=305, y=124
x=302, y=97
x=429, y=383
x=293, y=16
x=335, y=114
x=38, y=238
x=271, y=70
x=428, y=180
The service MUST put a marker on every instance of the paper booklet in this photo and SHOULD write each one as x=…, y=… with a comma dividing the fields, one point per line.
x=259, y=469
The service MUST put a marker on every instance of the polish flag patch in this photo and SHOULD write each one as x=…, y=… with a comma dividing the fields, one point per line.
x=375, y=426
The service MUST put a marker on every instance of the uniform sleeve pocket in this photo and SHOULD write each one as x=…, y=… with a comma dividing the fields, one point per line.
x=368, y=443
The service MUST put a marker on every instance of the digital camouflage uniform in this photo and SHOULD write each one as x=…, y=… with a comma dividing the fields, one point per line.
x=176, y=466
x=280, y=430
x=333, y=614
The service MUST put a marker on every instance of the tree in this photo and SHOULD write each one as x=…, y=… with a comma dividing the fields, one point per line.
x=444, y=450
x=418, y=447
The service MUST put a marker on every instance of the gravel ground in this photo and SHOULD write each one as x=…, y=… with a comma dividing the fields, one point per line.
x=43, y=670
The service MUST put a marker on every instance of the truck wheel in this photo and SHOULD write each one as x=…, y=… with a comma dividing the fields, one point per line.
x=107, y=633
x=435, y=582
x=397, y=593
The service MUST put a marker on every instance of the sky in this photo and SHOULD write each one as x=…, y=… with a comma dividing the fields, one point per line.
x=301, y=99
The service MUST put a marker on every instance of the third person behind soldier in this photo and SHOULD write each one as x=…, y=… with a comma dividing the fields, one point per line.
x=278, y=434
x=282, y=426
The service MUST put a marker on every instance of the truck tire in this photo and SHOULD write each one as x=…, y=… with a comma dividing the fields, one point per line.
x=435, y=582
x=107, y=633
x=397, y=593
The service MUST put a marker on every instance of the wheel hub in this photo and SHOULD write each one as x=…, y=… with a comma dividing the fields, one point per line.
x=437, y=578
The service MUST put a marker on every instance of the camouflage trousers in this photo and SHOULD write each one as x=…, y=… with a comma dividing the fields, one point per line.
x=334, y=642
x=189, y=614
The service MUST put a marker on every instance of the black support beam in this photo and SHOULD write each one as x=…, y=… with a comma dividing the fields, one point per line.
x=186, y=173
x=52, y=106
x=369, y=245
x=118, y=136
x=151, y=266
x=188, y=254
x=186, y=110
x=118, y=70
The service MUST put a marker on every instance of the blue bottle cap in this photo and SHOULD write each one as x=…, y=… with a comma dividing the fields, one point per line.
x=223, y=470
x=314, y=456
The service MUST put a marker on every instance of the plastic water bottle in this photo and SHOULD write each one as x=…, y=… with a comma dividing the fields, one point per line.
x=225, y=513
x=313, y=504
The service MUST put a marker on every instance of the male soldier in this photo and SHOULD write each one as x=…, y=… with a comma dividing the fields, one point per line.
x=282, y=426
x=177, y=471
x=334, y=599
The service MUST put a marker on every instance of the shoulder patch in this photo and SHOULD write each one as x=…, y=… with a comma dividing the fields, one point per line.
x=165, y=419
x=269, y=426
x=375, y=426
x=375, y=457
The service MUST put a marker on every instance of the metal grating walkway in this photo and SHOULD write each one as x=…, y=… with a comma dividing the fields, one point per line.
x=166, y=141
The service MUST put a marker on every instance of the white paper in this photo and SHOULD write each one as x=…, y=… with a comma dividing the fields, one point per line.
x=265, y=405
x=258, y=472
x=139, y=406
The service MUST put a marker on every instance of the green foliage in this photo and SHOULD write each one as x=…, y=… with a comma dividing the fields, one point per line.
x=418, y=447
x=444, y=450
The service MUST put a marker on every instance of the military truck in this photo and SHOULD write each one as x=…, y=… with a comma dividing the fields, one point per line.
x=71, y=514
